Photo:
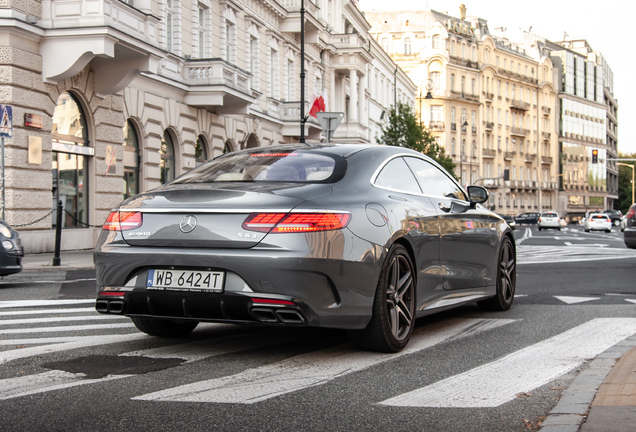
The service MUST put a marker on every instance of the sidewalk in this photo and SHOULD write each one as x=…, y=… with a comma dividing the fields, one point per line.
x=69, y=260
x=602, y=398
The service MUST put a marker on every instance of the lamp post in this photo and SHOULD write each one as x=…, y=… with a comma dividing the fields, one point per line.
x=302, y=72
x=429, y=87
x=461, y=151
x=632, y=167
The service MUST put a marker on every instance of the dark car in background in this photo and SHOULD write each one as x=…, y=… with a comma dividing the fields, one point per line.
x=629, y=234
x=529, y=218
x=615, y=216
x=365, y=238
x=11, y=252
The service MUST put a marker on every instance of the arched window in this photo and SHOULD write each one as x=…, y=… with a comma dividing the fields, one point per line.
x=131, y=160
x=200, y=151
x=435, y=41
x=166, y=164
x=70, y=156
x=227, y=148
x=407, y=46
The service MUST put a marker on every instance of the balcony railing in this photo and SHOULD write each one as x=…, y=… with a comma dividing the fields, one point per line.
x=488, y=153
x=519, y=105
x=545, y=109
x=519, y=131
x=436, y=125
x=216, y=72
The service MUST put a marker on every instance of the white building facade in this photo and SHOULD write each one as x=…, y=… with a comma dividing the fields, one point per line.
x=110, y=98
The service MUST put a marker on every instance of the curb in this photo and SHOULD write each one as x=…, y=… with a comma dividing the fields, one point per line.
x=573, y=407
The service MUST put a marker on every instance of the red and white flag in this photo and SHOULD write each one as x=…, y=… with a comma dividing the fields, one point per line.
x=317, y=106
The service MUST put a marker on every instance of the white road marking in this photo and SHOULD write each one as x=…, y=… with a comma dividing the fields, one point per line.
x=631, y=300
x=58, y=329
x=46, y=311
x=59, y=319
x=6, y=356
x=47, y=381
x=552, y=254
x=200, y=350
x=312, y=369
x=37, y=303
x=496, y=383
x=575, y=300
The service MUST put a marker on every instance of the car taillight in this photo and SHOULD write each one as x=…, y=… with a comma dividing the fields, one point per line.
x=631, y=213
x=295, y=222
x=122, y=221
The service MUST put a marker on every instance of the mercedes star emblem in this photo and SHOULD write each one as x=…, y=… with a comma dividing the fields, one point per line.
x=188, y=223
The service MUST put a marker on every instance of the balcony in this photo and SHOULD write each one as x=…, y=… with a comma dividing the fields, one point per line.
x=436, y=126
x=453, y=127
x=113, y=36
x=488, y=153
x=546, y=160
x=546, y=135
x=519, y=131
x=509, y=155
x=516, y=104
x=545, y=110
x=350, y=52
x=489, y=126
x=218, y=86
x=488, y=97
x=530, y=157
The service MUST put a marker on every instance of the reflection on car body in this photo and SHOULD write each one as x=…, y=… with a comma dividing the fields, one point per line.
x=365, y=238
x=629, y=233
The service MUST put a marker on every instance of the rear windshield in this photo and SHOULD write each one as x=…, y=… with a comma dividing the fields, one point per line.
x=263, y=166
x=550, y=215
x=599, y=217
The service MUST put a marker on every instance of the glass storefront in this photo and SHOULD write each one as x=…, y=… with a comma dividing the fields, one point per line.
x=70, y=157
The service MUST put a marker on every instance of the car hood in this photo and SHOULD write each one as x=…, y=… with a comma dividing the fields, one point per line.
x=210, y=215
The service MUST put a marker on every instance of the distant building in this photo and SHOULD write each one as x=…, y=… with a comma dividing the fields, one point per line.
x=493, y=106
x=112, y=98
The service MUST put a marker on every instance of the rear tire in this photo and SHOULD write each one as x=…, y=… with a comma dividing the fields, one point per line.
x=506, y=279
x=393, y=314
x=164, y=328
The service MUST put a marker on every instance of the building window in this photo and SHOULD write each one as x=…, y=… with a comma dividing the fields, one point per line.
x=436, y=40
x=273, y=74
x=230, y=42
x=131, y=160
x=385, y=44
x=435, y=77
x=166, y=162
x=200, y=151
x=169, y=25
x=291, y=81
x=202, y=32
x=70, y=161
x=407, y=46
x=253, y=62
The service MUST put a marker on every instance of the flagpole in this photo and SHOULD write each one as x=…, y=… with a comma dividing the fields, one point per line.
x=302, y=71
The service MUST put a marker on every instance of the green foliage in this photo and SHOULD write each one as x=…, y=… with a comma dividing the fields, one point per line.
x=404, y=130
x=625, y=183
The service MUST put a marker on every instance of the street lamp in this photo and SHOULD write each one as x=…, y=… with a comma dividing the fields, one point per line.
x=632, y=167
x=461, y=151
x=429, y=87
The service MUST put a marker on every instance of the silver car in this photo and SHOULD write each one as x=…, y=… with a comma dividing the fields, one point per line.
x=549, y=220
x=365, y=238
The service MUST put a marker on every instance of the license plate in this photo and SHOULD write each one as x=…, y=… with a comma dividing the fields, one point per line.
x=185, y=280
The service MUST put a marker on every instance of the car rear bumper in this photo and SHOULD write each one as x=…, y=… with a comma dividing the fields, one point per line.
x=322, y=290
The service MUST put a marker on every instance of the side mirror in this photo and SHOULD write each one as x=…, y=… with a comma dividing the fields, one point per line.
x=477, y=194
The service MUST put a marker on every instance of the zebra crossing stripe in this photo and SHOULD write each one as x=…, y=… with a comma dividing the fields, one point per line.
x=312, y=369
x=44, y=382
x=496, y=383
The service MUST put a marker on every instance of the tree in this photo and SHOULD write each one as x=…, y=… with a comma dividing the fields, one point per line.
x=404, y=130
x=625, y=184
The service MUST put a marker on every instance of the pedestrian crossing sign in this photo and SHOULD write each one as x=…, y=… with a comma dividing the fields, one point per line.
x=6, y=121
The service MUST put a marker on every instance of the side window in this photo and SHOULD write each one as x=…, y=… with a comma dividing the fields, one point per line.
x=396, y=176
x=433, y=181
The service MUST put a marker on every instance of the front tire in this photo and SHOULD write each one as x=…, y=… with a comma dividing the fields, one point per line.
x=164, y=328
x=393, y=315
x=506, y=279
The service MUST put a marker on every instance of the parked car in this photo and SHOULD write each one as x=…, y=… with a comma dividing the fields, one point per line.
x=509, y=220
x=598, y=222
x=275, y=236
x=623, y=222
x=615, y=216
x=549, y=220
x=11, y=252
x=527, y=218
x=629, y=234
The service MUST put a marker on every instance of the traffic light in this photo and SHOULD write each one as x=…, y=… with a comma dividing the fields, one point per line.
x=594, y=156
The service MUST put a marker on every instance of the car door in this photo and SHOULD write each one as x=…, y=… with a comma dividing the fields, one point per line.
x=469, y=237
x=413, y=216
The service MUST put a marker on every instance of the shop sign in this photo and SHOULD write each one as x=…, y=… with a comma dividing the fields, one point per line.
x=460, y=28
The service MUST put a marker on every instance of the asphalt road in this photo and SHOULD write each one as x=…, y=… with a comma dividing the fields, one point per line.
x=66, y=368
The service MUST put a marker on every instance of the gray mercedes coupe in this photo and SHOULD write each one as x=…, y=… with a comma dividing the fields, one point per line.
x=365, y=238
